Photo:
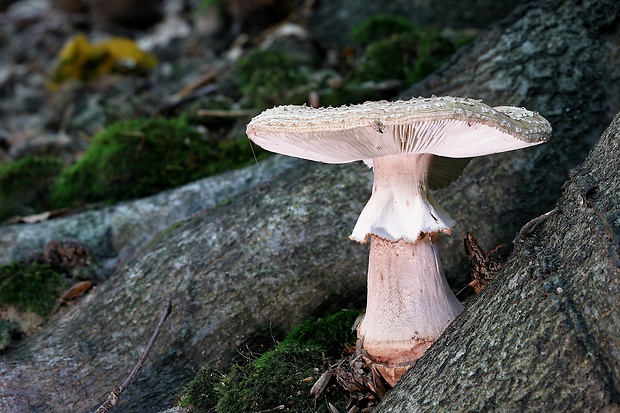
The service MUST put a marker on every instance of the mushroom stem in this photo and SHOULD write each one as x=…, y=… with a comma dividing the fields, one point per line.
x=409, y=301
x=410, y=277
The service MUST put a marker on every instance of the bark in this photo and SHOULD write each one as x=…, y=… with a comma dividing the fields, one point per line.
x=242, y=272
x=544, y=335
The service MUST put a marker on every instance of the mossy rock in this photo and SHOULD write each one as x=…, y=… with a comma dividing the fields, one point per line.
x=142, y=157
x=25, y=183
x=408, y=57
x=268, y=78
x=329, y=334
x=381, y=27
x=31, y=287
x=283, y=376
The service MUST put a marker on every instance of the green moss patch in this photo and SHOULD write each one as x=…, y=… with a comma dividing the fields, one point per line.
x=31, y=287
x=142, y=157
x=329, y=334
x=24, y=185
x=280, y=377
x=268, y=78
x=396, y=49
x=408, y=57
x=381, y=27
x=200, y=393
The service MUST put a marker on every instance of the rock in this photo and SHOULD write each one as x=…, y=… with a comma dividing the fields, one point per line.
x=544, y=335
x=116, y=232
x=331, y=22
x=242, y=273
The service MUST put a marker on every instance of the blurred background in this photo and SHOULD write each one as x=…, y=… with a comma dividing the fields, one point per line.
x=103, y=101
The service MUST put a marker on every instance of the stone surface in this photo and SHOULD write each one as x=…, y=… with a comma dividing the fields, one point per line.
x=116, y=232
x=240, y=274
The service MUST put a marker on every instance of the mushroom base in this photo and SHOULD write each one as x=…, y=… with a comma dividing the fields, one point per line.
x=409, y=303
x=391, y=372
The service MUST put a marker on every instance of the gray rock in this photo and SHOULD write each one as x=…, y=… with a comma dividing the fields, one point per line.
x=242, y=273
x=116, y=232
x=543, y=336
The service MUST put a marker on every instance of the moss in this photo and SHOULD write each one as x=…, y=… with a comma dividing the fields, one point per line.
x=283, y=376
x=408, y=57
x=279, y=377
x=31, y=287
x=329, y=334
x=380, y=27
x=200, y=393
x=396, y=49
x=24, y=185
x=142, y=157
x=268, y=78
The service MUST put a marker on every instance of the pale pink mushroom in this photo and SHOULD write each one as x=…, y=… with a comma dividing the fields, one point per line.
x=413, y=147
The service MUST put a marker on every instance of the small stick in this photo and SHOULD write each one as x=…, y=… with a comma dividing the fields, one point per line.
x=116, y=394
x=529, y=227
x=211, y=113
x=275, y=409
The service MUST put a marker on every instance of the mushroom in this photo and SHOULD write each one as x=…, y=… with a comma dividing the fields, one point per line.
x=413, y=147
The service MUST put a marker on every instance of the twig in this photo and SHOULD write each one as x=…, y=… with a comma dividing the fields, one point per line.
x=529, y=227
x=116, y=394
x=212, y=113
x=275, y=409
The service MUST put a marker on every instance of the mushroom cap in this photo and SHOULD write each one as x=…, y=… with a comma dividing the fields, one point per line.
x=447, y=126
x=446, y=131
